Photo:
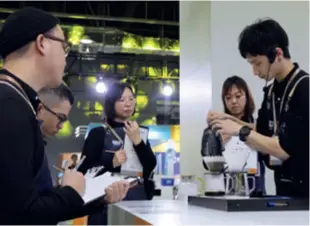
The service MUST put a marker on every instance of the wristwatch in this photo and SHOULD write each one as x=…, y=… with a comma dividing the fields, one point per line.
x=244, y=133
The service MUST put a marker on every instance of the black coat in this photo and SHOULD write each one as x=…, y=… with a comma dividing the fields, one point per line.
x=95, y=155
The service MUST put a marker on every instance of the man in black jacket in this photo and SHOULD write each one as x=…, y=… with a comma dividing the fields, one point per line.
x=53, y=112
x=34, y=50
x=282, y=128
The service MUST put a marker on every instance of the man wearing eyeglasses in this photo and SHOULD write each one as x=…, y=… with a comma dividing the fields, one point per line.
x=54, y=109
x=33, y=47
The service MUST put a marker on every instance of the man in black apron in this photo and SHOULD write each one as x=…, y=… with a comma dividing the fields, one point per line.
x=282, y=129
x=34, y=50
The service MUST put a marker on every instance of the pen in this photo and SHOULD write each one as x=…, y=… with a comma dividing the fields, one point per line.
x=114, y=133
x=108, y=151
x=57, y=168
x=79, y=163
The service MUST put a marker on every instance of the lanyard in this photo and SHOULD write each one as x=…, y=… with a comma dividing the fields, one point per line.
x=4, y=79
x=275, y=120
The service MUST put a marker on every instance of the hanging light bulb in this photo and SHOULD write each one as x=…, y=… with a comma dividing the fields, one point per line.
x=167, y=90
x=101, y=87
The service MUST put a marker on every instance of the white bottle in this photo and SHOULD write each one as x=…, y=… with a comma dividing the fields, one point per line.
x=170, y=158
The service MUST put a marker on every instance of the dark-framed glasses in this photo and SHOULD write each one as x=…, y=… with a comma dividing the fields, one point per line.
x=66, y=45
x=62, y=118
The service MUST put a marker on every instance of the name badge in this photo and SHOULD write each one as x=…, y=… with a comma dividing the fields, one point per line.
x=274, y=161
x=116, y=142
x=270, y=125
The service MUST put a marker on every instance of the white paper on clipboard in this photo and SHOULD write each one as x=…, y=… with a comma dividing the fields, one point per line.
x=237, y=153
x=132, y=164
x=95, y=187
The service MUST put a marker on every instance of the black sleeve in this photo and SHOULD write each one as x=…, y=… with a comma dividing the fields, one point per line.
x=146, y=157
x=90, y=208
x=262, y=126
x=148, y=161
x=92, y=149
x=21, y=203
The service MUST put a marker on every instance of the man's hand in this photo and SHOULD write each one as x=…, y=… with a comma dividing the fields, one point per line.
x=75, y=180
x=133, y=131
x=116, y=191
x=119, y=158
x=214, y=115
x=225, y=138
x=226, y=127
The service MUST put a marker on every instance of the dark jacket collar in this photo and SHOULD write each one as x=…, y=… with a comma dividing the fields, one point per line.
x=115, y=124
x=283, y=83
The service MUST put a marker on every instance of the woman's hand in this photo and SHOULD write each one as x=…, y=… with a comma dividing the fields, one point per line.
x=215, y=115
x=133, y=131
x=119, y=158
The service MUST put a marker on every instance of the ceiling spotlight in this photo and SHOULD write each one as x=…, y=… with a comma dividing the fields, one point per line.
x=167, y=90
x=101, y=87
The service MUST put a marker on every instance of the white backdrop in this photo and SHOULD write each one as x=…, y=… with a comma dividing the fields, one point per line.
x=209, y=54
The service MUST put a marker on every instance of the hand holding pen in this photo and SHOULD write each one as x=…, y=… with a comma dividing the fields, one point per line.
x=73, y=178
x=67, y=166
x=119, y=158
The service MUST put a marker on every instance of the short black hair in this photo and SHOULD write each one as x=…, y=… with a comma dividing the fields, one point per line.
x=114, y=93
x=262, y=37
x=62, y=92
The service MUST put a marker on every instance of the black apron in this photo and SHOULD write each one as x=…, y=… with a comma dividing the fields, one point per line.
x=286, y=180
x=41, y=173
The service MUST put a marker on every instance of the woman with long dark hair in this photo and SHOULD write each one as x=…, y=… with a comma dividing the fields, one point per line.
x=239, y=105
x=119, y=106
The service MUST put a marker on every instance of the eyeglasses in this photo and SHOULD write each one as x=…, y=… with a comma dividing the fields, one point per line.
x=129, y=101
x=61, y=117
x=66, y=45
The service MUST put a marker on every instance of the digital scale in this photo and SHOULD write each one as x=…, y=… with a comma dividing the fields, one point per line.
x=239, y=203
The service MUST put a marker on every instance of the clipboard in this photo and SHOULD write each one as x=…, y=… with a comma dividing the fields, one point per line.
x=95, y=187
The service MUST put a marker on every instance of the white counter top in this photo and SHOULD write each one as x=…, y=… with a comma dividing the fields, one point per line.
x=169, y=212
